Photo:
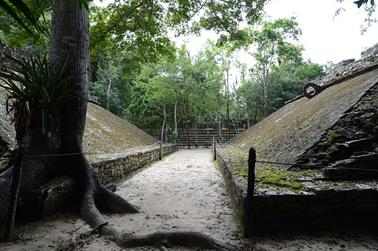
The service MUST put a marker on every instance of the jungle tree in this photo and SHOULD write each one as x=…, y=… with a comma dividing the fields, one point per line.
x=69, y=57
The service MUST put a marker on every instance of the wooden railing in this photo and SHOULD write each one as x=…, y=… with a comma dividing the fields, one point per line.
x=204, y=137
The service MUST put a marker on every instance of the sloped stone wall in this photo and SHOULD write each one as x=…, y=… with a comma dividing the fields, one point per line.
x=352, y=142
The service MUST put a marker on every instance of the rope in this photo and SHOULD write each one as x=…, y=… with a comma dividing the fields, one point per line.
x=289, y=164
x=66, y=154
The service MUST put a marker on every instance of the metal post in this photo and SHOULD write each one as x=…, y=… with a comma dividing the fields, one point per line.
x=248, y=220
x=160, y=151
x=214, y=149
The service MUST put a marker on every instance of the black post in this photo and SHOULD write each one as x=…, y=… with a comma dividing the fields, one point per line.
x=248, y=221
x=214, y=149
x=160, y=151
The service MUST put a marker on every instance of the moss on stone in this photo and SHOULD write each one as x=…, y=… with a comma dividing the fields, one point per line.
x=107, y=133
x=332, y=137
x=278, y=177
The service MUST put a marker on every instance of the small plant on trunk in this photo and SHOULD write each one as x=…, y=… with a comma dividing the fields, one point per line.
x=29, y=82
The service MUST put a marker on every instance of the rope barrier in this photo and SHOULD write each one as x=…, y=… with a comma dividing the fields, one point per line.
x=245, y=162
x=67, y=154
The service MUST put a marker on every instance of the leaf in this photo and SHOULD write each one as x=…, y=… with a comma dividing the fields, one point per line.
x=24, y=9
x=360, y=2
x=8, y=9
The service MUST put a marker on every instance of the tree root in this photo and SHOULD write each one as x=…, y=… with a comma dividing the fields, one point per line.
x=186, y=239
x=96, y=193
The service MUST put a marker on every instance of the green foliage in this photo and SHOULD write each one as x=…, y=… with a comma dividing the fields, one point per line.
x=32, y=87
x=362, y=2
x=139, y=30
x=279, y=72
x=286, y=82
x=132, y=30
x=21, y=13
x=192, y=84
x=37, y=33
x=112, y=81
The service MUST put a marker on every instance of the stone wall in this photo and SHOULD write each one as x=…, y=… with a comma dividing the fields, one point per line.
x=235, y=184
x=115, y=170
x=58, y=193
x=350, y=67
x=324, y=207
x=351, y=143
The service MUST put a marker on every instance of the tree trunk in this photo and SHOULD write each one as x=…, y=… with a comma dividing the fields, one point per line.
x=69, y=47
x=163, y=125
x=265, y=92
x=265, y=99
x=108, y=94
x=175, y=117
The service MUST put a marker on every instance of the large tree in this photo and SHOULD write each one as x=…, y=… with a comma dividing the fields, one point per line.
x=69, y=51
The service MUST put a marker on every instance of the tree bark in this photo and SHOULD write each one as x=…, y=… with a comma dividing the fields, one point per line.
x=69, y=47
x=163, y=125
x=265, y=92
x=175, y=117
x=108, y=94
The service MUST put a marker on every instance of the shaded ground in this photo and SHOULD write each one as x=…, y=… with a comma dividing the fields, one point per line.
x=182, y=192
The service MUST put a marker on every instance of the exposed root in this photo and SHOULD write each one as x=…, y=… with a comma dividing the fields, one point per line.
x=93, y=217
x=113, y=203
x=186, y=239
x=95, y=192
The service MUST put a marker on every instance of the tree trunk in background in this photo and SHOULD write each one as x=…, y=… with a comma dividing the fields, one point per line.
x=265, y=99
x=108, y=94
x=175, y=118
x=265, y=92
x=163, y=125
x=228, y=102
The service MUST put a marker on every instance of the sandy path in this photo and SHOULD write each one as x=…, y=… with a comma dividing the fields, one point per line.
x=184, y=192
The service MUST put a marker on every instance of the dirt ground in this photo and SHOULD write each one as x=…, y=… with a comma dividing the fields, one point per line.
x=183, y=192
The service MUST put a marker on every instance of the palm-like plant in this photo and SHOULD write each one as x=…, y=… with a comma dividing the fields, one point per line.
x=29, y=83
x=20, y=11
